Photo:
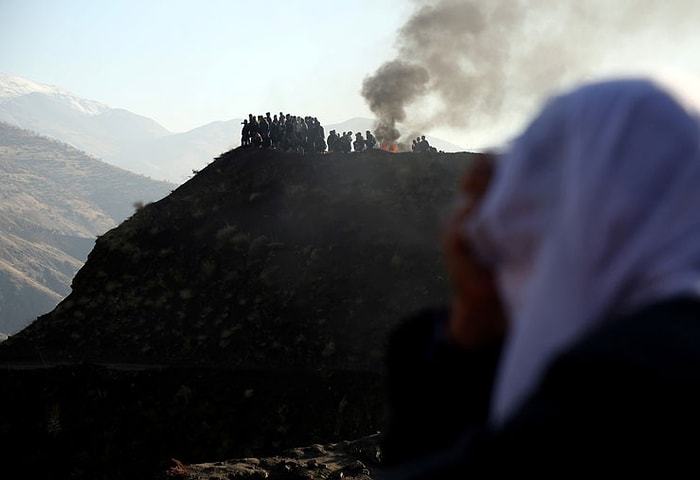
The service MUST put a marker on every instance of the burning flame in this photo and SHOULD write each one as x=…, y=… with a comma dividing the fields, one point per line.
x=390, y=147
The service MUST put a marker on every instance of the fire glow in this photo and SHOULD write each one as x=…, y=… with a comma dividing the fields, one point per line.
x=392, y=147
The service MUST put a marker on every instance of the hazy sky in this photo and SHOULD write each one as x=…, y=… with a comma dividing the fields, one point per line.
x=468, y=71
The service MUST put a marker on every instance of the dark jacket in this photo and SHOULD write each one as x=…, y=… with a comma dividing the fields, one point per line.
x=625, y=399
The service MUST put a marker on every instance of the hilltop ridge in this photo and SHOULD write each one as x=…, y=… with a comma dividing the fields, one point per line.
x=260, y=242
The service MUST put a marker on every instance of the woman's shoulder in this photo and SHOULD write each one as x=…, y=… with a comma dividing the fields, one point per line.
x=647, y=360
x=660, y=335
x=631, y=388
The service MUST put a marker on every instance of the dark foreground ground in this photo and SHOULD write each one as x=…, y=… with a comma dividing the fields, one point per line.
x=120, y=422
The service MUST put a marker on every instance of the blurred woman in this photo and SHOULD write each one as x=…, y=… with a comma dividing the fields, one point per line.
x=573, y=339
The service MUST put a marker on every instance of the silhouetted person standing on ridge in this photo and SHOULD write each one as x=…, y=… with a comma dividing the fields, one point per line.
x=332, y=141
x=370, y=141
x=245, y=133
x=359, y=144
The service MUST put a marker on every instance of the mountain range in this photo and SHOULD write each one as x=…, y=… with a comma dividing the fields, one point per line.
x=56, y=200
x=131, y=141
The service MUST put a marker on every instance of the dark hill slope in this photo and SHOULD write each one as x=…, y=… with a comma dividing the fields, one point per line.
x=263, y=260
x=242, y=314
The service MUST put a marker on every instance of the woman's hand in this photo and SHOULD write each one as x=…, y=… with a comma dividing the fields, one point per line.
x=476, y=314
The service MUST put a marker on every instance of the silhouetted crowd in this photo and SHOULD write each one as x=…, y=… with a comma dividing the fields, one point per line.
x=420, y=144
x=306, y=134
x=284, y=132
x=345, y=143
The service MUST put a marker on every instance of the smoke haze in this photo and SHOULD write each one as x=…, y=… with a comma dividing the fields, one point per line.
x=464, y=64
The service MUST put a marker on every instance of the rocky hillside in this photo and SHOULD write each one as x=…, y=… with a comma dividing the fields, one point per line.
x=347, y=460
x=242, y=314
x=55, y=201
x=262, y=259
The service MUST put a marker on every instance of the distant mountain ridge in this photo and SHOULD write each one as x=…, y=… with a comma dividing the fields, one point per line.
x=87, y=125
x=131, y=141
x=54, y=201
x=13, y=87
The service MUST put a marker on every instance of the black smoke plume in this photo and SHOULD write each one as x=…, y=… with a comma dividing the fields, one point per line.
x=394, y=85
x=470, y=63
x=446, y=49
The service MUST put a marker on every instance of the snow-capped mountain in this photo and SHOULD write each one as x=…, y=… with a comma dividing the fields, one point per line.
x=117, y=136
x=13, y=87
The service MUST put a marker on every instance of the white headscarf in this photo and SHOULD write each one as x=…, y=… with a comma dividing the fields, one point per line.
x=593, y=213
